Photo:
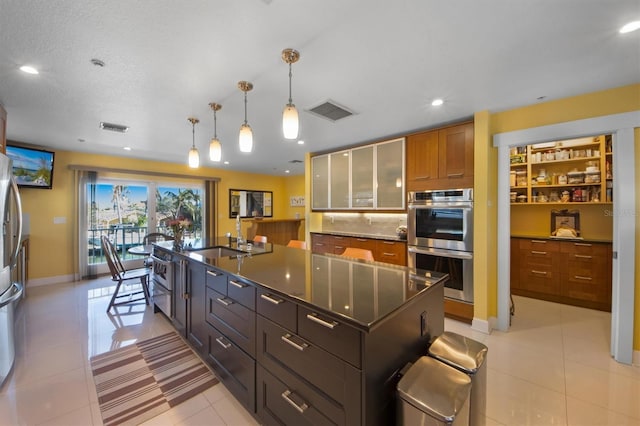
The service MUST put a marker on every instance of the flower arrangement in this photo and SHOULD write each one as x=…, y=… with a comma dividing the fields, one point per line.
x=178, y=226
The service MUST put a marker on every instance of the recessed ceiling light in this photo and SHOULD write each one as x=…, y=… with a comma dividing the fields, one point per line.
x=287, y=171
x=226, y=162
x=300, y=142
x=631, y=26
x=437, y=102
x=29, y=69
x=127, y=148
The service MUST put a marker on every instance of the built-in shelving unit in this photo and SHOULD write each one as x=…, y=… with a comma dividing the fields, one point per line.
x=576, y=171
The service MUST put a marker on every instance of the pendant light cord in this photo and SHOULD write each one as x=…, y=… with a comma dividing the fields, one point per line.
x=193, y=135
x=215, y=125
x=290, y=100
x=245, y=107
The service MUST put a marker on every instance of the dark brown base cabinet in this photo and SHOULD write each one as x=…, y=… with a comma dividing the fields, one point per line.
x=572, y=272
x=289, y=363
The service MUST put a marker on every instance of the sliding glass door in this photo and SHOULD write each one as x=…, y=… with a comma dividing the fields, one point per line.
x=126, y=211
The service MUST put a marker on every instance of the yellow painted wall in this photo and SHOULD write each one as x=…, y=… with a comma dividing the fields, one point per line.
x=596, y=221
x=597, y=104
x=52, y=245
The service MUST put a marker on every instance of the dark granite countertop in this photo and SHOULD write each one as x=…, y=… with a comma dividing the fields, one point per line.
x=361, y=235
x=360, y=292
x=547, y=237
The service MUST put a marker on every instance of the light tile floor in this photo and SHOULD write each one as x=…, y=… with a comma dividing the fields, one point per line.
x=552, y=367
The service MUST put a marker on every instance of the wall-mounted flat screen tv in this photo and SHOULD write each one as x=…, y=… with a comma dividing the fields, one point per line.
x=32, y=168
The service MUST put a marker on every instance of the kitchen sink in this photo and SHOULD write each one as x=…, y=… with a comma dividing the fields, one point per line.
x=218, y=251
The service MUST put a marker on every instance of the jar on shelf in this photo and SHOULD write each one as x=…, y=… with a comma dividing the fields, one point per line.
x=512, y=178
x=562, y=179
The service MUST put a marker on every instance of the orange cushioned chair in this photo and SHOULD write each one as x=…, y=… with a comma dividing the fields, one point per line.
x=358, y=253
x=259, y=239
x=297, y=244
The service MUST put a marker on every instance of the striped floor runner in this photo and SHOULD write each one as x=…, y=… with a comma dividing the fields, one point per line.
x=138, y=382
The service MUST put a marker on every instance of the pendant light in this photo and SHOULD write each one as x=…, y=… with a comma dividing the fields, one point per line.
x=215, y=147
x=245, y=139
x=290, y=114
x=194, y=157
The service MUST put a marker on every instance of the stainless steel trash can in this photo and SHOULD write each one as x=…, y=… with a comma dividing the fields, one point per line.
x=468, y=356
x=432, y=393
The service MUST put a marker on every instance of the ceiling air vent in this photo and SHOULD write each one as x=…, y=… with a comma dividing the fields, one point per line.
x=114, y=127
x=296, y=161
x=331, y=111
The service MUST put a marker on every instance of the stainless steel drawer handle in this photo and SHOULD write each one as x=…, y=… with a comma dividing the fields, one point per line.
x=237, y=284
x=582, y=256
x=539, y=241
x=287, y=339
x=389, y=254
x=213, y=273
x=580, y=277
x=583, y=244
x=422, y=177
x=223, y=344
x=270, y=298
x=533, y=271
x=224, y=302
x=455, y=174
x=315, y=318
x=538, y=252
x=301, y=408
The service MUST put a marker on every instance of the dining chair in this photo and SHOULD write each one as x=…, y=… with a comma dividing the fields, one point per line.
x=297, y=244
x=120, y=275
x=358, y=253
x=260, y=239
x=154, y=237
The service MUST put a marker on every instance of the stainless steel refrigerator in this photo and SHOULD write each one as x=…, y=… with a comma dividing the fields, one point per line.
x=10, y=292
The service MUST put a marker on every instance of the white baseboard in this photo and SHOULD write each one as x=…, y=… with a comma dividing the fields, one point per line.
x=483, y=326
x=38, y=282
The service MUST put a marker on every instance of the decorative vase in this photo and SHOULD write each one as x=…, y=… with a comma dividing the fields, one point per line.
x=177, y=241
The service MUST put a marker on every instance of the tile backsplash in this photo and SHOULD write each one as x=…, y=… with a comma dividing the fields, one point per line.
x=363, y=223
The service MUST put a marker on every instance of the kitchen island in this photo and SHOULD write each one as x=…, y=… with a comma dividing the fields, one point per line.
x=300, y=337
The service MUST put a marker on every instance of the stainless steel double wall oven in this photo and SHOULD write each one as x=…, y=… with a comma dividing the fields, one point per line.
x=440, y=237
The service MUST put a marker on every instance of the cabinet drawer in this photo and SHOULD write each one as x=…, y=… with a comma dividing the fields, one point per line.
x=540, y=245
x=540, y=280
x=277, y=309
x=242, y=292
x=287, y=400
x=235, y=368
x=364, y=243
x=331, y=335
x=538, y=259
x=235, y=321
x=585, y=249
x=217, y=280
x=279, y=349
x=391, y=252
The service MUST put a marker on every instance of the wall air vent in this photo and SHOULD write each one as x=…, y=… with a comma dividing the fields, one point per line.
x=331, y=111
x=113, y=127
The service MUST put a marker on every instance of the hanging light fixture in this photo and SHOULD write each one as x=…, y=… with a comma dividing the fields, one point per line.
x=245, y=138
x=215, y=147
x=194, y=157
x=290, y=114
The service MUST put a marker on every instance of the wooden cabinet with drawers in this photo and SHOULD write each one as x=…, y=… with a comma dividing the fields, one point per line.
x=571, y=272
x=387, y=251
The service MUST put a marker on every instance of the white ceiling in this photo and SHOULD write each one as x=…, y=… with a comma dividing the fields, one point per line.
x=385, y=60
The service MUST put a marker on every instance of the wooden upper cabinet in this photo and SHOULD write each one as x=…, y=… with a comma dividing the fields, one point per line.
x=455, y=145
x=3, y=130
x=422, y=159
x=441, y=158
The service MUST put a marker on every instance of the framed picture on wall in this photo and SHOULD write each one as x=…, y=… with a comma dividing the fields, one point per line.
x=565, y=224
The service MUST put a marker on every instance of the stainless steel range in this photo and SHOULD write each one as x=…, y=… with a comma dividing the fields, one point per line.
x=440, y=237
x=162, y=282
